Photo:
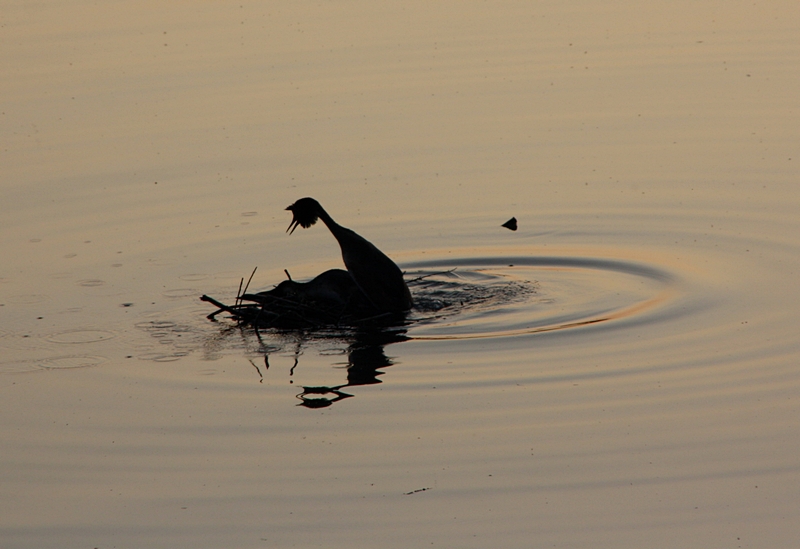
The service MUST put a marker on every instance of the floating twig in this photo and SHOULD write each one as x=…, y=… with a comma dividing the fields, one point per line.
x=250, y=279
x=222, y=307
x=417, y=491
x=449, y=271
x=239, y=293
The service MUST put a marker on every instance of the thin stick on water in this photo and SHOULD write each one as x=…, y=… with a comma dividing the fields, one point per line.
x=239, y=293
x=451, y=271
x=222, y=307
x=248, y=281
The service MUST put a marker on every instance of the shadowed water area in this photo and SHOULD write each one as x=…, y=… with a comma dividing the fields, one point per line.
x=619, y=371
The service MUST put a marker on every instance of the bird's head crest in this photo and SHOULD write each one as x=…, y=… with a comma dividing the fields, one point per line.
x=305, y=213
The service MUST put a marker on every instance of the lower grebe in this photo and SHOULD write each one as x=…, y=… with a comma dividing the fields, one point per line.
x=331, y=291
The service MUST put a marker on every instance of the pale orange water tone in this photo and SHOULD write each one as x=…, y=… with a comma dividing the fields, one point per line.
x=621, y=371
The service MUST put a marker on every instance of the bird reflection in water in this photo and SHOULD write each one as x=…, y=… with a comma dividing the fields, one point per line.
x=365, y=359
x=365, y=356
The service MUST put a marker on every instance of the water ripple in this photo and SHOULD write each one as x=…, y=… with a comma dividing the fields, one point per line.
x=482, y=297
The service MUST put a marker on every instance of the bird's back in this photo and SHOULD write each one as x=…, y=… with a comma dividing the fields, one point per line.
x=377, y=275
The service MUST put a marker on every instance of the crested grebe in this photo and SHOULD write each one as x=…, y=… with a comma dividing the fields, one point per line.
x=374, y=273
x=333, y=290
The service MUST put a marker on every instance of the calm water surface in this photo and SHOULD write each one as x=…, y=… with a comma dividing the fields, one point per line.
x=622, y=371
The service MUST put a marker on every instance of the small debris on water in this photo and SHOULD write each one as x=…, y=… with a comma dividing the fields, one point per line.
x=416, y=491
x=510, y=224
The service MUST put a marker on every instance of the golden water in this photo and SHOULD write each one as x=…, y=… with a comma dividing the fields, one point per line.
x=643, y=391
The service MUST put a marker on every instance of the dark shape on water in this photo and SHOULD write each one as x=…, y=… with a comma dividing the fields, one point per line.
x=510, y=224
x=371, y=291
x=330, y=299
x=332, y=289
x=378, y=277
x=365, y=361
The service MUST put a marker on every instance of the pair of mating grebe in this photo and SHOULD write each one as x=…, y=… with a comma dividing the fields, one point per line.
x=372, y=283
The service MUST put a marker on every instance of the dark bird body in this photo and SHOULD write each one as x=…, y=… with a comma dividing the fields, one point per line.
x=333, y=290
x=377, y=276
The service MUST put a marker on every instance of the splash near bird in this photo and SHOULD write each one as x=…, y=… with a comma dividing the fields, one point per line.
x=377, y=276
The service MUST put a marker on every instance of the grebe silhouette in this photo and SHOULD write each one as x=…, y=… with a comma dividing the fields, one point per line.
x=377, y=276
x=328, y=296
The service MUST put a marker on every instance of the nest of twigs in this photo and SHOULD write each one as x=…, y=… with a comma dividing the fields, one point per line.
x=332, y=299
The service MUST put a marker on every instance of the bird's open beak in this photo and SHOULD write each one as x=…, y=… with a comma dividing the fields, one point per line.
x=293, y=225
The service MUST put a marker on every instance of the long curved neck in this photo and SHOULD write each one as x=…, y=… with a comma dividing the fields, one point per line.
x=332, y=225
